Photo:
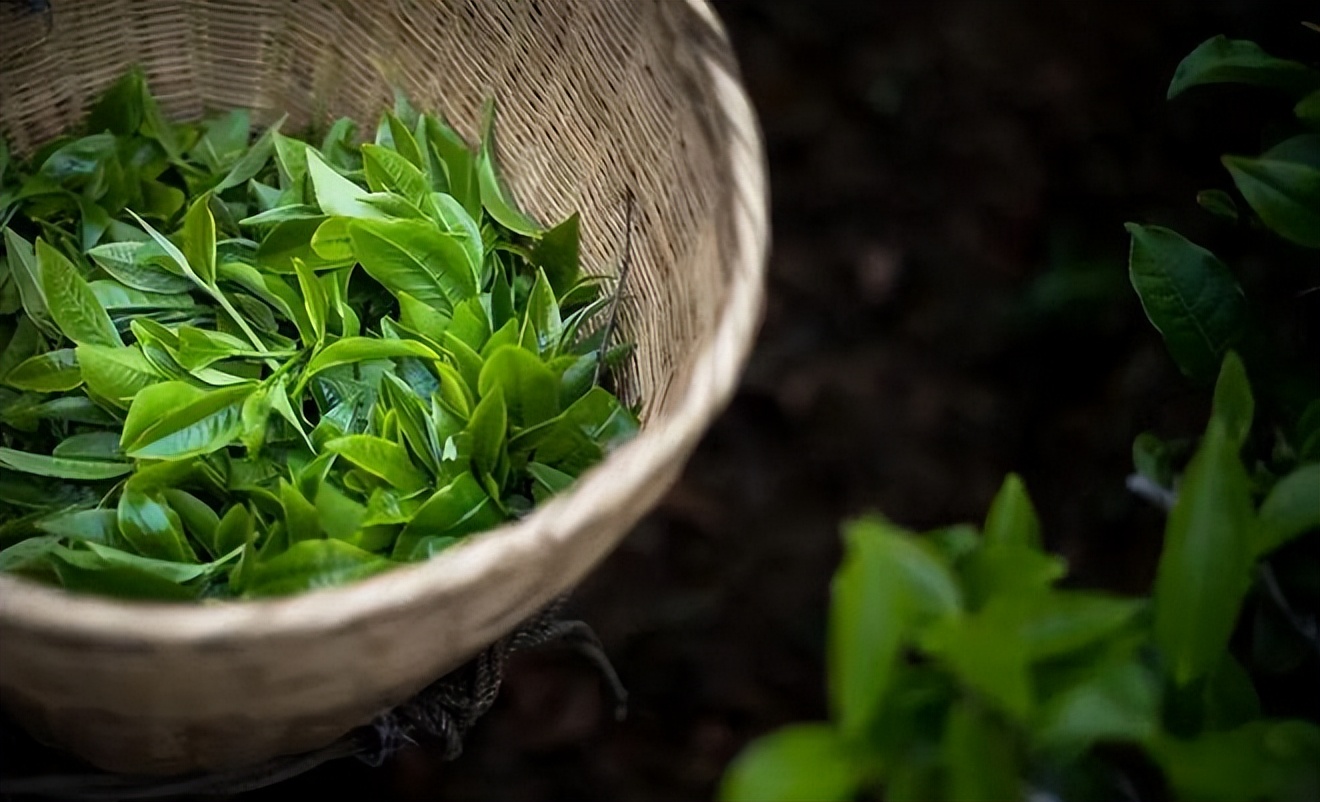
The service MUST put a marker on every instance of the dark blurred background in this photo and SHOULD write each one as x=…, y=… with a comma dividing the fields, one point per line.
x=948, y=301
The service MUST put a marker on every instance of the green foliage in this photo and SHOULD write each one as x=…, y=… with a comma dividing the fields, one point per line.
x=1189, y=295
x=234, y=363
x=1021, y=688
x=959, y=669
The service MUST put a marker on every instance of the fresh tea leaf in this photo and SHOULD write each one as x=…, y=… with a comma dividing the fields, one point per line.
x=73, y=305
x=887, y=585
x=1223, y=60
x=801, y=763
x=337, y=195
x=1285, y=194
x=380, y=457
x=1190, y=297
x=60, y=467
x=1291, y=509
x=495, y=195
x=173, y=420
x=1204, y=568
x=1234, y=404
x=412, y=256
x=310, y=565
x=51, y=372
x=531, y=391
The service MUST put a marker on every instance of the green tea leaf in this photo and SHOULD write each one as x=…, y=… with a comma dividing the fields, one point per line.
x=152, y=528
x=173, y=420
x=1223, y=60
x=1112, y=703
x=989, y=652
x=119, y=109
x=98, y=526
x=199, y=520
x=23, y=344
x=289, y=240
x=116, y=373
x=470, y=323
x=388, y=171
x=980, y=756
x=127, y=263
x=1285, y=194
x=403, y=140
x=51, y=372
x=488, y=428
x=414, y=423
x=1308, y=108
x=800, y=763
x=598, y=418
x=460, y=164
x=1189, y=296
x=316, y=304
x=73, y=305
x=252, y=161
x=530, y=390
x=543, y=316
x=1219, y=203
x=360, y=349
x=291, y=159
x=121, y=298
x=200, y=347
x=255, y=417
x=887, y=584
x=332, y=242
x=557, y=253
x=1267, y=759
x=112, y=572
x=412, y=256
x=337, y=195
x=301, y=519
x=453, y=219
x=422, y=318
x=199, y=238
x=495, y=196
x=90, y=445
x=455, y=510
x=60, y=467
x=23, y=267
x=1234, y=404
x=1203, y=570
x=1012, y=519
x=78, y=160
x=283, y=214
x=1291, y=509
x=468, y=361
x=454, y=391
x=380, y=457
x=548, y=480
x=312, y=564
x=233, y=531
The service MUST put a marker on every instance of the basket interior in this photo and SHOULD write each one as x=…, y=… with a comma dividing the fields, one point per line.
x=595, y=97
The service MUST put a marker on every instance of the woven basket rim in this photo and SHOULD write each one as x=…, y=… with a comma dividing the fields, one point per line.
x=603, y=491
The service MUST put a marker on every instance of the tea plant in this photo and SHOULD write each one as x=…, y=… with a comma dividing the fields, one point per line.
x=959, y=669
x=236, y=367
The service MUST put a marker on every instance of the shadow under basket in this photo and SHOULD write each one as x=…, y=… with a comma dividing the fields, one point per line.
x=597, y=98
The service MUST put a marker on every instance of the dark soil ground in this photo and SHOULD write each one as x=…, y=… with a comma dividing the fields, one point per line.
x=948, y=302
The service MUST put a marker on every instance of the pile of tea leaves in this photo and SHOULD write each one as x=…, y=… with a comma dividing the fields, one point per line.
x=237, y=366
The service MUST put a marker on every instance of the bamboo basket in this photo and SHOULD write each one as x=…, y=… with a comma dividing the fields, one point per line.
x=596, y=98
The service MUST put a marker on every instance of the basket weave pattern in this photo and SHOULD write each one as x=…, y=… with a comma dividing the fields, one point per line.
x=595, y=97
